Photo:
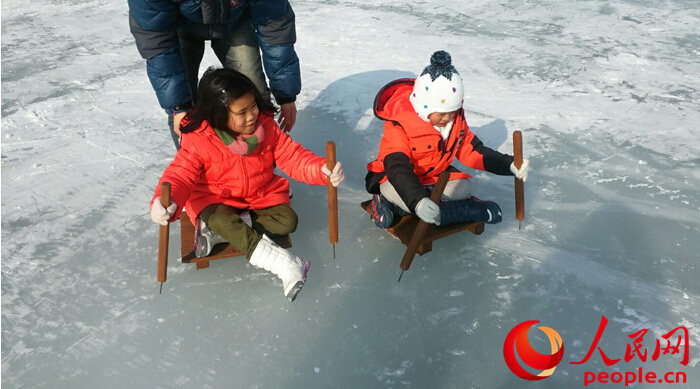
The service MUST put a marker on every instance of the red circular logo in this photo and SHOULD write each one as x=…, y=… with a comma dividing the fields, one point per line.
x=517, y=341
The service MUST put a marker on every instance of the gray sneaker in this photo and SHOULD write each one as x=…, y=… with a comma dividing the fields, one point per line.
x=205, y=239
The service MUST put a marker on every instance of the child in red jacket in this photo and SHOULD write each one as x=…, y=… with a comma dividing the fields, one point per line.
x=229, y=148
x=424, y=130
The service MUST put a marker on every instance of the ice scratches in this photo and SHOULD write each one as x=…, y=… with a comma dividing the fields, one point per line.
x=682, y=93
x=101, y=328
x=118, y=154
x=470, y=328
x=393, y=375
x=442, y=316
x=509, y=277
x=639, y=99
x=172, y=355
x=10, y=227
x=634, y=321
x=338, y=286
x=20, y=349
x=540, y=67
x=613, y=166
x=689, y=42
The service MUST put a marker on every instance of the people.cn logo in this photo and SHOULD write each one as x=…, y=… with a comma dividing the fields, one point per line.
x=517, y=343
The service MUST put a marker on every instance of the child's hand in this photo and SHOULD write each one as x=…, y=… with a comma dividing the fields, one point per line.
x=336, y=176
x=522, y=172
x=427, y=210
x=160, y=214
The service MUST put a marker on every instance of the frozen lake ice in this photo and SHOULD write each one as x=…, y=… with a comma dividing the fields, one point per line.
x=607, y=96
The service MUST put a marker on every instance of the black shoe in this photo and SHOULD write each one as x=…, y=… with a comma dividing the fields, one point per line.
x=473, y=209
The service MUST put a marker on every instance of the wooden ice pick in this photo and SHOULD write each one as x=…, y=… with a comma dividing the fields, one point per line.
x=332, y=198
x=422, y=226
x=519, y=189
x=163, y=237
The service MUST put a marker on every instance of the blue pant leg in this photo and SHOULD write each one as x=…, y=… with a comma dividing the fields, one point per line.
x=191, y=53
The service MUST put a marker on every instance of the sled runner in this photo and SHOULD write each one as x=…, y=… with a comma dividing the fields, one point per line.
x=222, y=250
x=403, y=230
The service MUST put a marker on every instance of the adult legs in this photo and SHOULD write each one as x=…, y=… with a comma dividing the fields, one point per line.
x=191, y=53
x=241, y=52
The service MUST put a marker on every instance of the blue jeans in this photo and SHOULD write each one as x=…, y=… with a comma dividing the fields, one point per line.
x=239, y=52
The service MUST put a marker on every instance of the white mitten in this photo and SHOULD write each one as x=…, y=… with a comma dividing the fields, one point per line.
x=336, y=176
x=427, y=210
x=160, y=214
x=522, y=172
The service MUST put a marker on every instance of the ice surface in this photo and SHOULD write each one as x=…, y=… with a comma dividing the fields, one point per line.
x=606, y=94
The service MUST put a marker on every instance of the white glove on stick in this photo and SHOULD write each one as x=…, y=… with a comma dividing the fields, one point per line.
x=522, y=172
x=336, y=176
x=427, y=210
x=160, y=214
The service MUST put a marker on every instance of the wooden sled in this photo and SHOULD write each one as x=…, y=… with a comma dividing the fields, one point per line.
x=403, y=230
x=222, y=250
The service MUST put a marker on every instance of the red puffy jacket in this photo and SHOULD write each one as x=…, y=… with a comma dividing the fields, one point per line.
x=412, y=152
x=205, y=172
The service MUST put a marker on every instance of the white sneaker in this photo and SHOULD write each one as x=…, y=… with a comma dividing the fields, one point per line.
x=285, y=265
x=205, y=239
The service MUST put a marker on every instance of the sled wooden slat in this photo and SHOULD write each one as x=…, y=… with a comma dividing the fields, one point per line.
x=222, y=250
x=403, y=230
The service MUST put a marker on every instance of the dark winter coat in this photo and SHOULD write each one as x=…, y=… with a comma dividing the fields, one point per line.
x=155, y=24
x=412, y=152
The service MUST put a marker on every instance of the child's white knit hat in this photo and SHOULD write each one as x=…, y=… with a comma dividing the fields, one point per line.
x=439, y=88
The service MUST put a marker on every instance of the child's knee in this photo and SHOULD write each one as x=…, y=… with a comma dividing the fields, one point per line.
x=278, y=220
x=289, y=221
x=219, y=217
x=458, y=189
x=220, y=223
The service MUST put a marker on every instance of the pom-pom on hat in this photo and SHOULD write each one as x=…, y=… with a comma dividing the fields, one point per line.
x=439, y=88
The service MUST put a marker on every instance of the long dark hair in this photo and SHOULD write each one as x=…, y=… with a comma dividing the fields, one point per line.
x=217, y=89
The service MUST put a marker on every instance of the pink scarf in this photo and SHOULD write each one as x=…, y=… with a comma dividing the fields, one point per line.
x=246, y=144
